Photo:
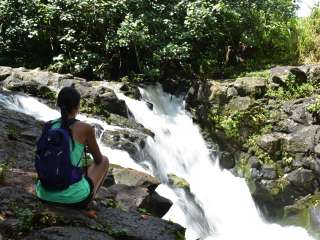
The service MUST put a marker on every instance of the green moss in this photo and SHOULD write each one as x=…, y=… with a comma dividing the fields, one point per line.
x=260, y=73
x=178, y=181
x=299, y=214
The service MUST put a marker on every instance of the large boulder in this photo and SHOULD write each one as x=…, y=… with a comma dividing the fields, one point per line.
x=22, y=213
x=131, y=177
x=304, y=179
x=302, y=140
x=280, y=75
x=239, y=104
x=251, y=86
x=134, y=190
x=271, y=143
x=97, y=98
x=296, y=111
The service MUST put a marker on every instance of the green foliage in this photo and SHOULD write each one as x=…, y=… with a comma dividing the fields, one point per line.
x=291, y=90
x=309, y=37
x=113, y=38
x=253, y=120
x=314, y=107
x=229, y=124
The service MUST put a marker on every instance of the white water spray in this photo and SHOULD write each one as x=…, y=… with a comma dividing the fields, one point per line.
x=219, y=206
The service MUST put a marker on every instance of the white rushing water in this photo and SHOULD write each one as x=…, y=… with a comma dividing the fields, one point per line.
x=219, y=205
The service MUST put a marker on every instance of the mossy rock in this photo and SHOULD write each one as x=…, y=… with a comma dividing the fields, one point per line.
x=178, y=182
x=304, y=213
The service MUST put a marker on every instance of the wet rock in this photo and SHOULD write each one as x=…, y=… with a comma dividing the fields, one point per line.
x=304, y=213
x=129, y=123
x=227, y=160
x=150, y=105
x=128, y=140
x=110, y=102
x=131, y=91
x=178, y=182
x=71, y=233
x=156, y=205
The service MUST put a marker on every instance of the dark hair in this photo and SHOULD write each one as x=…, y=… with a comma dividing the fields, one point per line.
x=68, y=100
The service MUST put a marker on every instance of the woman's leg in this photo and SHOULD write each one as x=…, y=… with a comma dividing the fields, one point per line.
x=97, y=173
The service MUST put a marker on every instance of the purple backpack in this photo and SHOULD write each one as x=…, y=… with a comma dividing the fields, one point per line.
x=53, y=163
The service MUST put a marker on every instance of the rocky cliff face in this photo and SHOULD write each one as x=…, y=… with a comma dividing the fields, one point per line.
x=267, y=126
x=127, y=206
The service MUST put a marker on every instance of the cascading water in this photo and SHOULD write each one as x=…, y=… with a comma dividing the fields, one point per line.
x=219, y=206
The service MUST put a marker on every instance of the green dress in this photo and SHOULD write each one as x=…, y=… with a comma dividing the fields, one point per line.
x=76, y=192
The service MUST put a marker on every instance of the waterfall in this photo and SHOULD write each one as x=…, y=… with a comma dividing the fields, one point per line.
x=217, y=205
